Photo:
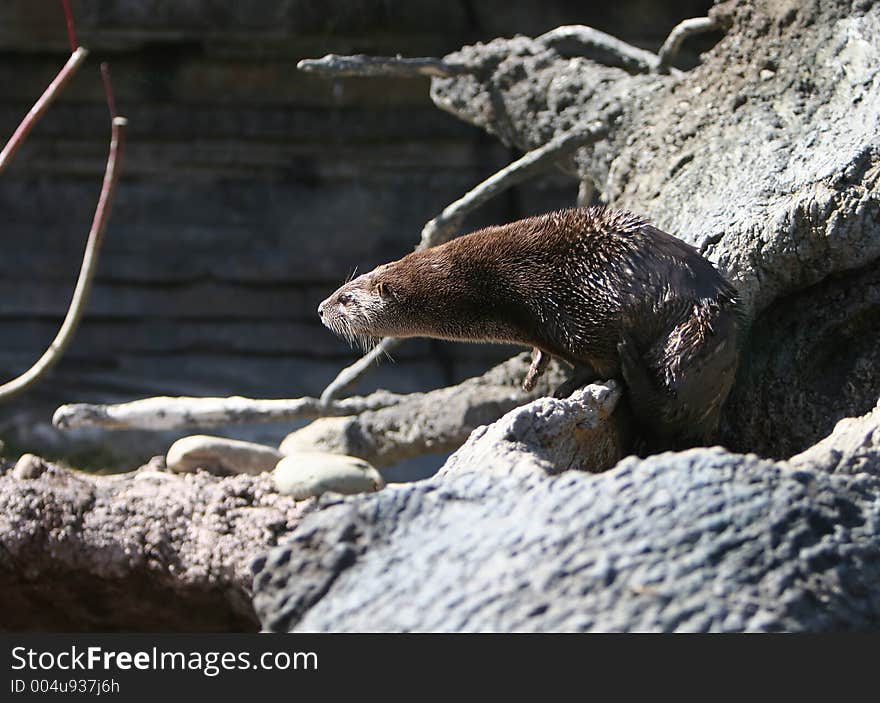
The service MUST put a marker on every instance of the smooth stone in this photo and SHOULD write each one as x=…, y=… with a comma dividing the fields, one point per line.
x=219, y=455
x=306, y=474
x=320, y=434
x=29, y=466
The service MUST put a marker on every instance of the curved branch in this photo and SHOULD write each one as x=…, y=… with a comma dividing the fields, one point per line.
x=86, y=274
x=42, y=104
x=580, y=40
x=443, y=227
x=679, y=33
x=362, y=65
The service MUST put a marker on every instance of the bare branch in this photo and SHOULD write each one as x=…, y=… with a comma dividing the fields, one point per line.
x=170, y=413
x=86, y=273
x=604, y=48
x=443, y=227
x=27, y=124
x=350, y=374
x=679, y=33
x=397, y=66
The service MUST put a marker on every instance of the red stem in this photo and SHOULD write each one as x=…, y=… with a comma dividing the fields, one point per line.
x=71, y=31
x=108, y=89
x=86, y=274
x=76, y=58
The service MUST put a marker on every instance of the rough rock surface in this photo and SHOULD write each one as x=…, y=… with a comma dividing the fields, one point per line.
x=814, y=358
x=769, y=158
x=549, y=436
x=853, y=447
x=149, y=551
x=695, y=541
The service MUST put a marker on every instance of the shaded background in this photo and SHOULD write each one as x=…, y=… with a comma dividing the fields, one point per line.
x=249, y=191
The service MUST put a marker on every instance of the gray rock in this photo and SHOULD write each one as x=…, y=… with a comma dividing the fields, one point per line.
x=814, y=359
x=308, y=474
x=148, y=550
x=548, y=436
x=703, y=540
x=780, y=189
x=221, y=456
x=853, y=447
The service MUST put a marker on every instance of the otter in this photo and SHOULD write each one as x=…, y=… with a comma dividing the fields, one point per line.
x=603, y=290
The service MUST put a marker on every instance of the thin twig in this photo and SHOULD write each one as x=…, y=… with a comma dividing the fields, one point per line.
x=64, y=75
x=397, y=66
x=352, y=373
x=679, y=33
x=585, y=41
x=167, y=413
x=443, y=227
x=86, y=273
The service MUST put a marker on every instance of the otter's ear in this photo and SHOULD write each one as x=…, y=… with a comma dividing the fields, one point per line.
x=383, y=288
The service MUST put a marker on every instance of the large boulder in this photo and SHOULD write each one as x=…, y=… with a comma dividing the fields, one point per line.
x=703, y=540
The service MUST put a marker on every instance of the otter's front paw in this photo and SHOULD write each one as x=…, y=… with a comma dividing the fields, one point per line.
x=540, y=360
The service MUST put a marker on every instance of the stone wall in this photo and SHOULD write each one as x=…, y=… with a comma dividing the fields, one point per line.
x=249, y=190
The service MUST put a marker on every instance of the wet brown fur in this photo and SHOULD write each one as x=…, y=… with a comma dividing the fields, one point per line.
x=603, y=290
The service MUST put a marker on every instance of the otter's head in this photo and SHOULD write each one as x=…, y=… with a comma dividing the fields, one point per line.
x=367, y=308
x=432, y=293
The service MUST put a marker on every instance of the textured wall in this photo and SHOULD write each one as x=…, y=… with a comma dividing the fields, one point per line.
x=248, y=191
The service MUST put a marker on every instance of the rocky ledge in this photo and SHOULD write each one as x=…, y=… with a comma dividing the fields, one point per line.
x=701, y=540
x=149, y=550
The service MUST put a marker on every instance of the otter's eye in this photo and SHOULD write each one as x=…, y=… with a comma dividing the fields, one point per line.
x=345, y=299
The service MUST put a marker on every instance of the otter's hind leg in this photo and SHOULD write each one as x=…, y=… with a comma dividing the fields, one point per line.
x=646, y=398
x=649, y=403
x=685, y=412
